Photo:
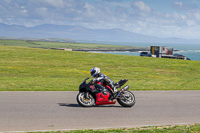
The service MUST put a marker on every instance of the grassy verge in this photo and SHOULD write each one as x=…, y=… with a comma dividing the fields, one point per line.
x=32, y=69
x=195, y=128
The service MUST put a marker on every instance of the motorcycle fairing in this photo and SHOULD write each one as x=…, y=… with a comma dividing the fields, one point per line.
x=106, y=86
x=103, y=99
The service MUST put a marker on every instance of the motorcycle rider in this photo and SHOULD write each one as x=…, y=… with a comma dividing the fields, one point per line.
x=95, y=73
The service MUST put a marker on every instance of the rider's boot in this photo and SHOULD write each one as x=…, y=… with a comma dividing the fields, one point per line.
x=115, y=89
x=114, y=93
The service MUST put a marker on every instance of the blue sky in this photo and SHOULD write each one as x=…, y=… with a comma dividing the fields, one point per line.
x=162, y=18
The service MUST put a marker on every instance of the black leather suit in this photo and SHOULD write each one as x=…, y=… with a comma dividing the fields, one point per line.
x=104, y=80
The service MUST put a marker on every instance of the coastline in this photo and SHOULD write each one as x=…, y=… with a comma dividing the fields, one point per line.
x=114, y=50
x=109, y=50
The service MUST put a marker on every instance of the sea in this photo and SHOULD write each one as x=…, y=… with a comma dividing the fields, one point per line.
x=191, y=51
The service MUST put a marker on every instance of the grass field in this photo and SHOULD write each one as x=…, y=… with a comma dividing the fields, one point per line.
x=32, y=69
x=195, y=128
x=69, y=45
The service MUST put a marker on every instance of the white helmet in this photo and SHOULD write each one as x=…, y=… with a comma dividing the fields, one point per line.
x=94, y=71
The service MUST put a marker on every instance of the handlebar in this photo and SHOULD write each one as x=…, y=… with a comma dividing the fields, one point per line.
x=87, y=78
x=91, y=81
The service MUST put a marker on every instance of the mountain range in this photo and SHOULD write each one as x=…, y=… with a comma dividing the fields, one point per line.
x=80, y=33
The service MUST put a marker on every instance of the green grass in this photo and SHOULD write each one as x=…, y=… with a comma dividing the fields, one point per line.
x=32, y=69
x=195, y=128
x=70, y=45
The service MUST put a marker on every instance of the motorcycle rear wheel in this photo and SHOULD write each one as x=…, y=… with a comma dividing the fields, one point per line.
x=83, y=101
x=126, y=99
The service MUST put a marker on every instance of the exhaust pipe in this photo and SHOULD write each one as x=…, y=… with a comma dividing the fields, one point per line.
x=125, y=88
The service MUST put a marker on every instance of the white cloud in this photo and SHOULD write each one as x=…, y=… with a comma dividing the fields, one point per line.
x=132, y=16
x=43, y=11
x=197, y=15
x=167, y=15
x=142, y=6
x=194, y=15
x=55, y=3
x=178, y=3
x=7, y=1
x=191, y=23
x=88, y=6
x=178, y=16
x=90, y=10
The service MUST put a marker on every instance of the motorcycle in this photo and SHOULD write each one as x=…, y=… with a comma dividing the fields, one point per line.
x=96, y=93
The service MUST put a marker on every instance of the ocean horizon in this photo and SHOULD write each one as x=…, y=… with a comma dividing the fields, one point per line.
x=191, y=51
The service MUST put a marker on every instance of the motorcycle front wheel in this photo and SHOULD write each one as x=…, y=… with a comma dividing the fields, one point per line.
x=81, y=99
x=126, y=99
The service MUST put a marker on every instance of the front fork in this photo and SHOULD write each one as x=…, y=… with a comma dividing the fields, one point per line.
x=86, y=95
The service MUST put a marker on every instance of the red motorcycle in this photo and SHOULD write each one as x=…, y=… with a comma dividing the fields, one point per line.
x=100, y=94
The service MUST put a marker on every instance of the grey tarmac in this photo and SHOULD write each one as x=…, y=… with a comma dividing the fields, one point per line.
x=58, y=110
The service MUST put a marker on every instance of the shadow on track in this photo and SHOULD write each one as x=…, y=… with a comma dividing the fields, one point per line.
x=95, y=106
x=69, y=105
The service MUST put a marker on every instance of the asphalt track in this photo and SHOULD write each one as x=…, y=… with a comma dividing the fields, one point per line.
x=43, y=111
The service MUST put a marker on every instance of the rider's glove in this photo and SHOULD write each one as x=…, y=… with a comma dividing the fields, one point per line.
x=93, y=80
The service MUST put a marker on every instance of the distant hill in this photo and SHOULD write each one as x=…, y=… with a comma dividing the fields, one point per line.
x=82, y=33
